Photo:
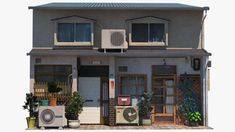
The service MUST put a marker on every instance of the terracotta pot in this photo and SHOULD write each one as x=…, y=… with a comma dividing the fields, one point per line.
x=53, y=101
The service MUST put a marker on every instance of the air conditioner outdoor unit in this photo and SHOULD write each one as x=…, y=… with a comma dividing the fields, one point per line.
x=127, y=115
x=113, y=39
x=52, y=116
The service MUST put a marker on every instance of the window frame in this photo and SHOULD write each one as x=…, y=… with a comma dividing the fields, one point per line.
x=73, y=21
x=53, y=74
x=132, y=75
x=149, y=20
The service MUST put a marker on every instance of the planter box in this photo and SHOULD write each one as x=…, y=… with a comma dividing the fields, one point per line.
x=146, y=122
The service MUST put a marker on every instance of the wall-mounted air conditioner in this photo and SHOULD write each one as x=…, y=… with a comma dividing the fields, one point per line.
x=52, y=116
x=113, y=39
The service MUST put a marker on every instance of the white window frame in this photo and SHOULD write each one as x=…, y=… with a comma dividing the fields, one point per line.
x=149, y=20
x=73, y=20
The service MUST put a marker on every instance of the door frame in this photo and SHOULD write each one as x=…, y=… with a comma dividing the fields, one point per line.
x=103, y=120
x=101, y=71
x=165, y=76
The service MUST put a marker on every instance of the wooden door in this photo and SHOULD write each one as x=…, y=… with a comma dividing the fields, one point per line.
x=163, y=88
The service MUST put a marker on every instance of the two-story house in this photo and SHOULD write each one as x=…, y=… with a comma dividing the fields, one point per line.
x=103, y=50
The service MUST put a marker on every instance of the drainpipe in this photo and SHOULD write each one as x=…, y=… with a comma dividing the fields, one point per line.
x=202, y=26
x=204, y=73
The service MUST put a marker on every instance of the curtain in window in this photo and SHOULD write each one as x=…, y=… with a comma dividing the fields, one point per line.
x=133, y=86
x=83, y=32
x=156, y=33
x=65, y=32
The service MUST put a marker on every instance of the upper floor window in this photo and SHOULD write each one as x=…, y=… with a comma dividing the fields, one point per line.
x=148, y=31
x=74, y=32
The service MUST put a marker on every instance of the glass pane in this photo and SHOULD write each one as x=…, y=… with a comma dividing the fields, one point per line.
x=132, y=81
x=44, y=78
x=63, y=70
x=133, y=90
x=158, y=91
x=124, y=90
x=83, y=32
x=124, y=81
x=158, y=82
x=159, y=100
x=140, y=90
x=140, y=81
x=169, y=83
x=169, y=109
x=44, y=70
x=170, y=100
x=169, y=91
x=65, y=32
x=61, y=78
x=139, y=32
x=159, y=109
x=156, y=33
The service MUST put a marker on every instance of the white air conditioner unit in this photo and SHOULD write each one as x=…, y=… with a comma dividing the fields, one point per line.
x=113, y=39
x=127, y=115
x=52, y=116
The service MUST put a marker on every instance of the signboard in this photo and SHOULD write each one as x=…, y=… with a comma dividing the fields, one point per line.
x=111, y=88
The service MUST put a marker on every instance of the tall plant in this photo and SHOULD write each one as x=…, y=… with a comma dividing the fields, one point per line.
x=145, y=106
x=74, y=106
x=31, y=104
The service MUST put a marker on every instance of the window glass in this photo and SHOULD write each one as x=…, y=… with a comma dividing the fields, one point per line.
x=49, y=73
x=139, y=32
x=83, y=32
x=156, y=33
x=132, y=85
x=65, y=32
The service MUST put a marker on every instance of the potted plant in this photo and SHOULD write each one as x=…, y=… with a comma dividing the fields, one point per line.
x=145, y=109
x=194, y=118
x=73, y=108
x=188, y=105
x=53, y=88
x=31, y=104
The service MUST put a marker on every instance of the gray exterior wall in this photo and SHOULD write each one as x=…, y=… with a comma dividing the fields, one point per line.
x=184, y=26
x=144, y=66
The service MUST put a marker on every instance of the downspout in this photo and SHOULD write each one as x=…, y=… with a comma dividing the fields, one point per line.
x=205, y=90
x=202, y=26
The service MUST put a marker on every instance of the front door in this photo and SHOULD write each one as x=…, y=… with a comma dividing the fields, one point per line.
x=163, y=101
x=89, y=89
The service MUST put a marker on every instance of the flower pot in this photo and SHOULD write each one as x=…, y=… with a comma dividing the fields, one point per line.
x=193, y=124
x=74, y=123
x=53, y=101
x=44, y=102
x=146, y=122
x=31, y=122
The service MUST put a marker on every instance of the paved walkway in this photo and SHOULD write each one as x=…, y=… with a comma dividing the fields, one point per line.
x=155, y=126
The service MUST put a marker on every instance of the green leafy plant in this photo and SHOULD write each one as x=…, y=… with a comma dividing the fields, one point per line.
x=145, y=106
x=31, y=104
x=53, y=87
x=188, y=105
x=194, y=116
x=74, y=106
